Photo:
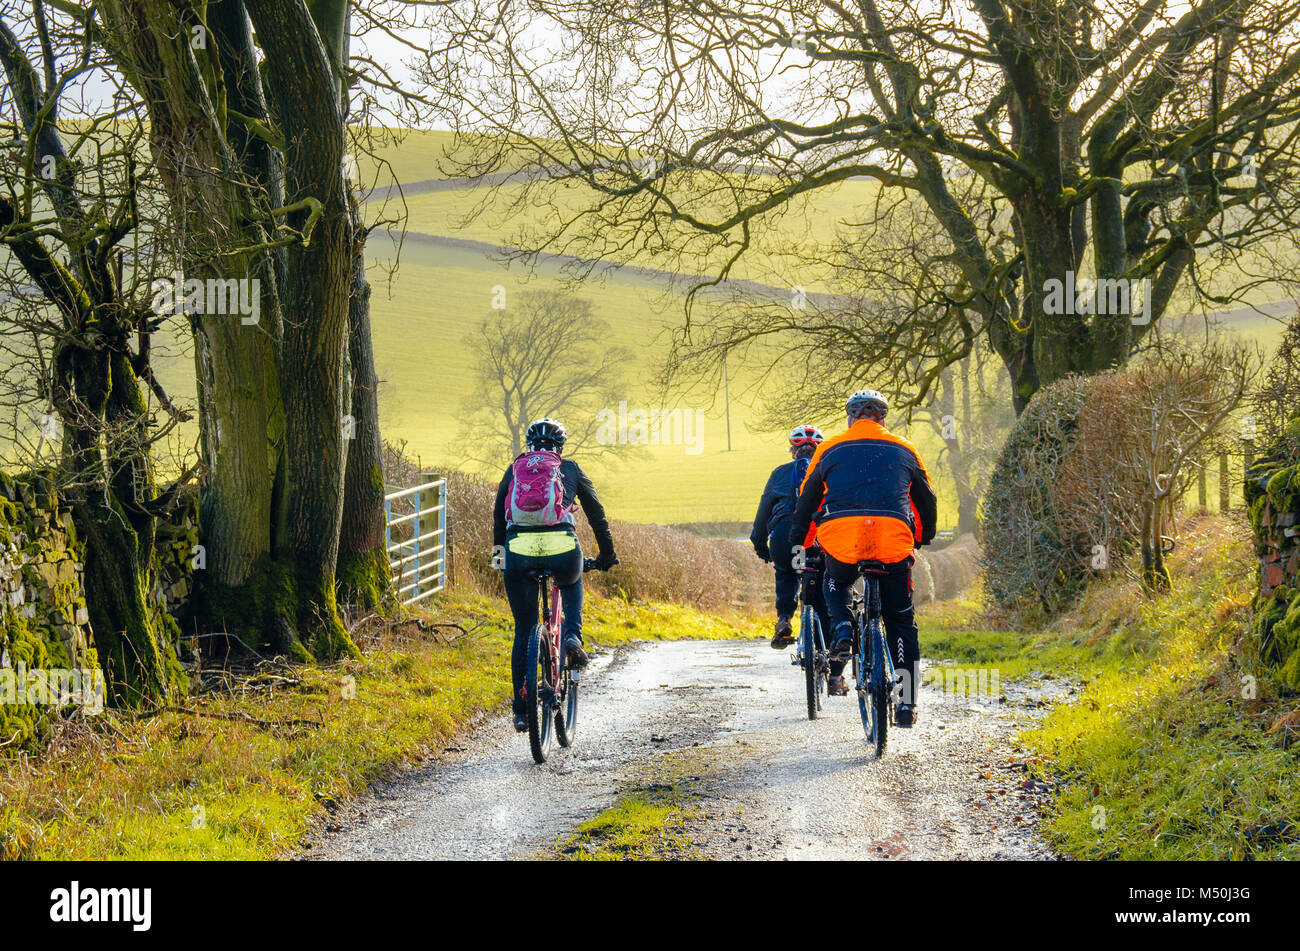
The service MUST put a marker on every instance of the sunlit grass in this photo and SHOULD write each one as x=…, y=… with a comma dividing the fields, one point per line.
x=1165, y=754
x=642, y=824
x=1164, y=751
x=190, y=785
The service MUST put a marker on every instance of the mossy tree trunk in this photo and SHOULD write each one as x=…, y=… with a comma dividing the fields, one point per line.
x=256, y=147
x=363, y=573
x=303, y=92
x=110, y=485
x=1155, y=576
x=208, y=129
x=96, y=387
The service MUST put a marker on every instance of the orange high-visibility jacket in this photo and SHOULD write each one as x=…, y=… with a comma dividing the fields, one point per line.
x=869, y=494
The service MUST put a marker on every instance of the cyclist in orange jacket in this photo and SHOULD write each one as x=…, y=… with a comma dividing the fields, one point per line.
x=870, y=496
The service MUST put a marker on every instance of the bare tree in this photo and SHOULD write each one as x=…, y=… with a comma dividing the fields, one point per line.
x=1274, y=404
x=545, y=355
x=972, y=423
x=1149, y=141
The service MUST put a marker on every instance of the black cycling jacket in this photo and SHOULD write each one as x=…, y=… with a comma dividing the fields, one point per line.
x=777, y=502
x=576, y=486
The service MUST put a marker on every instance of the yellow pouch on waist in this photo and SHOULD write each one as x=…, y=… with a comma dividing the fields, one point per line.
x=540, y=544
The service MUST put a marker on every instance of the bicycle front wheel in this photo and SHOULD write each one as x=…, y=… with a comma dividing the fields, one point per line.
x=540, y=693
x=566, y=717
x=880, y=690
x=814, y=668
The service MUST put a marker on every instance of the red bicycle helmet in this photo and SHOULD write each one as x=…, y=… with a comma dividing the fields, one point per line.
x=805, y=436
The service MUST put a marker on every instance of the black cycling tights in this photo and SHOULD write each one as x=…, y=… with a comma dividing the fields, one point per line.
x=895, y=608
x=521, y=592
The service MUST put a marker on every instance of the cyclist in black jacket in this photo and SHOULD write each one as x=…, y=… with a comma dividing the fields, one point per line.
x=553, y=548
x=770, y=535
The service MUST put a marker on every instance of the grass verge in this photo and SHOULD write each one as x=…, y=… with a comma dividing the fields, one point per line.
x=1174, y=746
x=243, y=772
x=645, y=823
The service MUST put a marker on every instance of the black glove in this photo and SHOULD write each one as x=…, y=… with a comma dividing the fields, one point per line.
x=606, y=560
x=762, y=552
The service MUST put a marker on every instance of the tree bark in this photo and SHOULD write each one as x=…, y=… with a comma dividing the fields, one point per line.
x=316, y=297
x=363, y=573
x=221, y=195
x=105, y=469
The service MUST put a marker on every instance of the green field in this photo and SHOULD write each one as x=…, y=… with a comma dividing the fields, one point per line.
x=423, y=310
x=438, y=293
x=431, y=294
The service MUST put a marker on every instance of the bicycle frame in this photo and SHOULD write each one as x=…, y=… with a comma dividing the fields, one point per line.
x=549, y=595
x=811, y=653
x=875, y=697
x=871, y=598
x=810, y=576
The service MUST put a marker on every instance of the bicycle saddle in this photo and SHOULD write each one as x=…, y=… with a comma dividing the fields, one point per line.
x=873, y=568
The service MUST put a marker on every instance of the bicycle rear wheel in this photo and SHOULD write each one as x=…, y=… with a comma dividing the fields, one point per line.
x=540, y=693
x=862, y=677
x=880, y=690
x=814, y=664
x=566, y=717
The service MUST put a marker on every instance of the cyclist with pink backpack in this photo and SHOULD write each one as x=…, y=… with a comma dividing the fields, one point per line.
x=533, y=525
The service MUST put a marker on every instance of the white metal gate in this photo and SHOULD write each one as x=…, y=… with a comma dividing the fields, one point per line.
x=415, y=536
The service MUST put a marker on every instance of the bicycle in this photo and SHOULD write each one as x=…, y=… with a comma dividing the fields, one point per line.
x=873, y=668
x=811, y=653
x=550, y=684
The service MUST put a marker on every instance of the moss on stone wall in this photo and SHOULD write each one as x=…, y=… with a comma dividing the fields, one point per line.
x=1272, y=492
x=44, y=622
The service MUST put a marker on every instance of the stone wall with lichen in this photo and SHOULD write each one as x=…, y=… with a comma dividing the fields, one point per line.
x=177, y=555
x=1272, y=493
x=44, y=622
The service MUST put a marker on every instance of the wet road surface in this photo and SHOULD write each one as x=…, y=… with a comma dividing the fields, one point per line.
x=725, y=720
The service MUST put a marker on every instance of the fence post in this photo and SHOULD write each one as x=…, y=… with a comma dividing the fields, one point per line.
x=1202, y=501
x=441, y=504
x=417, y=529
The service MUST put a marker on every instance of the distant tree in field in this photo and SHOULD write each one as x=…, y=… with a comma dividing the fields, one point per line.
x=972, y=424
x=545, y=354
x=887, y=327
x=1146, y=143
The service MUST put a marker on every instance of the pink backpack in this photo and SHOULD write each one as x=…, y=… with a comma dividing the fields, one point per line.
x=537, y=491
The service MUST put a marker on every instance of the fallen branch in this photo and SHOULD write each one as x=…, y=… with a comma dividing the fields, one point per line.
x=236, y=717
